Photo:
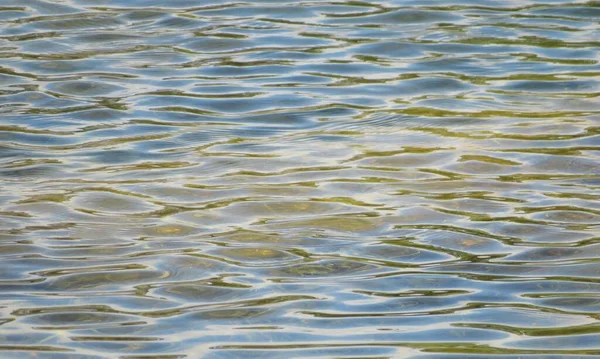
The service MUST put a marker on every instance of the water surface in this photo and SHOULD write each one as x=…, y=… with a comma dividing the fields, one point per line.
x=294, y=179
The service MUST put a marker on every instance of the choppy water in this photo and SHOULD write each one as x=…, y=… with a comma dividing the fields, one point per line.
x=287, y=179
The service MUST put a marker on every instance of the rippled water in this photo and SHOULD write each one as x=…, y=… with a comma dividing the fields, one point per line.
x=287, y=179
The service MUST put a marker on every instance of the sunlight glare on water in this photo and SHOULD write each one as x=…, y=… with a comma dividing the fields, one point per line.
x=299, y=179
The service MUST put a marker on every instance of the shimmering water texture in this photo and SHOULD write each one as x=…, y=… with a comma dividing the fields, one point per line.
x=299, y=179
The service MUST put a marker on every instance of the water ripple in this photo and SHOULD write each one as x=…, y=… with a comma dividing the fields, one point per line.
x=303, y=179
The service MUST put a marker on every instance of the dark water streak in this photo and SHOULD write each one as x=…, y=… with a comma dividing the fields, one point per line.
x=345, y=179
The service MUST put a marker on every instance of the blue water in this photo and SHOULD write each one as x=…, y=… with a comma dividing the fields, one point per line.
x=297, y=179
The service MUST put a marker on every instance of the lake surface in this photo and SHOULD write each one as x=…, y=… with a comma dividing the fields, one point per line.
x=299, y=179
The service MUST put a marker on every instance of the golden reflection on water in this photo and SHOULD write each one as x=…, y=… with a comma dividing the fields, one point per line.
x=383, y=179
